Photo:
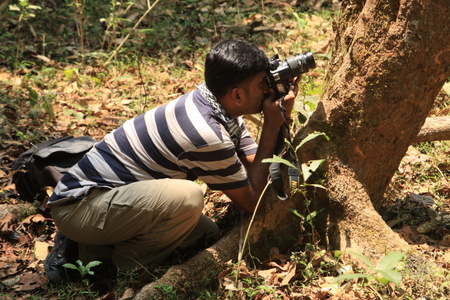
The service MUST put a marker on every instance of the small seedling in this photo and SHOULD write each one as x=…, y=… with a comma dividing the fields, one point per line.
x=384, y=270
x=83, y=269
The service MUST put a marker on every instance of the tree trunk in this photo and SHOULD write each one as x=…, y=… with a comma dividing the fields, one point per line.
x=390, y=60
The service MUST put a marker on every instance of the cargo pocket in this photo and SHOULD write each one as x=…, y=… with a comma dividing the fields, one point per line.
x=98, y=203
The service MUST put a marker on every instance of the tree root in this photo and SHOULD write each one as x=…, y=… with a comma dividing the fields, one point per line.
x=193, y=276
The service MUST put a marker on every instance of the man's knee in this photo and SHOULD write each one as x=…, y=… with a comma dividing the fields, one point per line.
x=172, y=195
x=193, y=193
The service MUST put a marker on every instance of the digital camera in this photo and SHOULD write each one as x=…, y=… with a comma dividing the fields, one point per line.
x=281, y=72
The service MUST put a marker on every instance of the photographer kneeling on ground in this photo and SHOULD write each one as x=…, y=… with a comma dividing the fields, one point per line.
x=132, y=200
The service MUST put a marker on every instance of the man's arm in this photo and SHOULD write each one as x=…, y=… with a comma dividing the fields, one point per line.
x=246, y=197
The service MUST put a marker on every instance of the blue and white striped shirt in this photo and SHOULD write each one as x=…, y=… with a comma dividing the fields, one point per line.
x=183, y=139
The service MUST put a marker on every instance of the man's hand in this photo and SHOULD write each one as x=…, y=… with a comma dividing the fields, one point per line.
x=271, y=109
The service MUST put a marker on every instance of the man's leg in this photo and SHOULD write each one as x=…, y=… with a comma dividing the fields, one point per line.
x=144, y=220
x=205, y=231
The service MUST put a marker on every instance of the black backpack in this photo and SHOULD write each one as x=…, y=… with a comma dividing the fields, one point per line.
x=45, y=163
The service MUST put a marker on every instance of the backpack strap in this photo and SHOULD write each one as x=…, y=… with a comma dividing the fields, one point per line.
x=275, y=168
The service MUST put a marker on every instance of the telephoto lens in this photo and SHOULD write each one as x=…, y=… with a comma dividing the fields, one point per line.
x=282, y=71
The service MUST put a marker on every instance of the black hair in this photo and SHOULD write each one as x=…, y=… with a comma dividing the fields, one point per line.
x=230, y=63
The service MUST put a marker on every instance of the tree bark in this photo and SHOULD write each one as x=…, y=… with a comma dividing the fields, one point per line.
x=391, y=59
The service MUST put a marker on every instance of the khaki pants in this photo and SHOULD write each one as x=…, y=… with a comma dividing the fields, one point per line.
x=136, y=224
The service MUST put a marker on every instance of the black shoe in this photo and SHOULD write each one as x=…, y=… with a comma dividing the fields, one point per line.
x=64, y=251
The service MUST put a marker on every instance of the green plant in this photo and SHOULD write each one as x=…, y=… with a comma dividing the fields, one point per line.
x=43, y=102
x=306, y=169
x=115, y=19
x=84, y=270
x=113, y=55
x=22, y=135
x=383, y=273
x=78, y=290
x=80, y=6
x=25, y=9
x=168, y=291
x=26, y=12
x=307, y=219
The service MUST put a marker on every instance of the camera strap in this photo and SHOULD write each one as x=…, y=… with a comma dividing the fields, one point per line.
x=275, y=167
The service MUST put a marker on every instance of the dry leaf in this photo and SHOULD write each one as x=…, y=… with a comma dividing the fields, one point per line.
x=291, y=269
x=446, y=242
x=40, y=250
x=128, y=294
x=31, y=281
x=5, y=224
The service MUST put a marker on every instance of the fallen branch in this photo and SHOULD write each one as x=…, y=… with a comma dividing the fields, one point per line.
x=434, y=129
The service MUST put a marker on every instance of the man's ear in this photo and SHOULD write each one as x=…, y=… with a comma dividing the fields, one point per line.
x=236, y=95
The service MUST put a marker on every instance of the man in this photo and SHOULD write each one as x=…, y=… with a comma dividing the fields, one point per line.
x=132, y=198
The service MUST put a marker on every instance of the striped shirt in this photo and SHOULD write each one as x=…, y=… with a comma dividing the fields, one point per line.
x=183, y=139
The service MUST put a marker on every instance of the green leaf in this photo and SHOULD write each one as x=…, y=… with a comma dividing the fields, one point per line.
x=312, y=100
x=68, y=111
x=390, y=275
x=296, y=213
x=68, y=73
x=351, y=276
x=35, y=7
x=277, y=159
x=310, y=137
x=98, y=81
x=311, y=216
x=93, y=264
x=47, y=106
x=70, y=266
x=306, y=106
x=78, y=115
x=363, y=258
x=308, y=170
x=301, y=22
x=14, y=7
x=390, y=260
x=34, y=96
x=315, y=164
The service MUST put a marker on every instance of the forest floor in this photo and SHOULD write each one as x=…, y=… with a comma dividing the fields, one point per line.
x=48, y=99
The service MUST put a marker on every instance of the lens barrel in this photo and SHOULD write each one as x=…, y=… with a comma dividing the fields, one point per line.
x=304, y=62
x=282, y=71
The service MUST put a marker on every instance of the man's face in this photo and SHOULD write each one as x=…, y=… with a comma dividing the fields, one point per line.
x=255, y=91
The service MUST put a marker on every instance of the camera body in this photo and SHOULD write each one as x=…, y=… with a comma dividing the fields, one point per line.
x=281, y=72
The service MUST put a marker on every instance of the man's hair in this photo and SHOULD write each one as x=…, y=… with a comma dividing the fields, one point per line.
x=230, y=63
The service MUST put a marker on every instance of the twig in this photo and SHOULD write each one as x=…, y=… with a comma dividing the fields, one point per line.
x=242, y=243
x=150, y=7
